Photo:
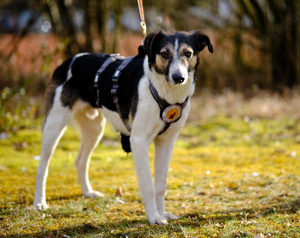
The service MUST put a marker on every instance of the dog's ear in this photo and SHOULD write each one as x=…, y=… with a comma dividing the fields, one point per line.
x=202, y=40
x=151, y=44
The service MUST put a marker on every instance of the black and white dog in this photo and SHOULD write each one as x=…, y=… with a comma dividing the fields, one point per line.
x=146, y=99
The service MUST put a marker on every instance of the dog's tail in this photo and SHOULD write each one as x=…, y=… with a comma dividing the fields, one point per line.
x=61, y=72
x=58, y=78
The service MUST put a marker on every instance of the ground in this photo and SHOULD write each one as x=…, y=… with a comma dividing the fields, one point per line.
x=229, y=177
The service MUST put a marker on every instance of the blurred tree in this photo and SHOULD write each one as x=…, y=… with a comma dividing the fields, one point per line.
x=102, y=15
x=274, y=23
x=234, y=27
x=62, y=16
x=118, y=26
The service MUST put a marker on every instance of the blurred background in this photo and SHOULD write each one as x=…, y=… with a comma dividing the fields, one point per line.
x=254, y=70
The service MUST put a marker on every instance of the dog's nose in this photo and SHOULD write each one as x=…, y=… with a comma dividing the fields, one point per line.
x=177, y=78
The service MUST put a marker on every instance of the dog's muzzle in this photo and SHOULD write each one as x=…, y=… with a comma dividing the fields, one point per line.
x=177, y=78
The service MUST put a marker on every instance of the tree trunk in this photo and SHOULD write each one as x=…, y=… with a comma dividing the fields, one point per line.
x=87, y=26
x=102, y=18
x=284, y=49
x=72, y=46
x=117, y=33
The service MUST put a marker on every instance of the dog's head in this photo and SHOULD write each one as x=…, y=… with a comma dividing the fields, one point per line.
x=174, y=55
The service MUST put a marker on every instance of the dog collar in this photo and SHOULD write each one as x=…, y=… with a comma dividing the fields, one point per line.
x=169, y=113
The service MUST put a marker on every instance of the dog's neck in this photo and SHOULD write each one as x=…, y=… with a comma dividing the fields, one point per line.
x=171, y=93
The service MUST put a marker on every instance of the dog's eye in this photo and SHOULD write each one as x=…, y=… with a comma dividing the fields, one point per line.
x=164, y=54
x=187, y=54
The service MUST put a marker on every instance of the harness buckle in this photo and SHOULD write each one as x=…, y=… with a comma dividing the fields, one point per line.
x=116, y=74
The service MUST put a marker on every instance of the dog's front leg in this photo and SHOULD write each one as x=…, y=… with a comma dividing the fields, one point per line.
x=140, y=146
x=163, y=153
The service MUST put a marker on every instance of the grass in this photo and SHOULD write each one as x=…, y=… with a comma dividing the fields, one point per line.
x=229, y=177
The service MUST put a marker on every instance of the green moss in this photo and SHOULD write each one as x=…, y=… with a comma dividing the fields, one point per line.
x=228, y=177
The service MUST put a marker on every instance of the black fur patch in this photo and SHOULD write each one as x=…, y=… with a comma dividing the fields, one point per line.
x=125, y=143
x=80, y=85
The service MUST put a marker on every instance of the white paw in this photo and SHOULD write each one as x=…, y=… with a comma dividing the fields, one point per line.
x=93, y=194
x=157, y=219
x=40, y=206
x=169, y=216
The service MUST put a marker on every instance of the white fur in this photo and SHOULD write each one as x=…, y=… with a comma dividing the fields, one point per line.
x=92, y=129
x=115, y=120
x=141, y=137
x=91, y=124
x=54, y=127
x=177, y=67
x=171, y=93
x=146, y=126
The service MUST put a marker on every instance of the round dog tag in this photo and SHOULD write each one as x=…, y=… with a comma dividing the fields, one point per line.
x=172, y=113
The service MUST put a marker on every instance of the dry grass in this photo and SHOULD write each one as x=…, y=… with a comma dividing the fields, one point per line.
x=261, y=104
x=235, y=173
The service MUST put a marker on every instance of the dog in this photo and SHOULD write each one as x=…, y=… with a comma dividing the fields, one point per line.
x=147, y=100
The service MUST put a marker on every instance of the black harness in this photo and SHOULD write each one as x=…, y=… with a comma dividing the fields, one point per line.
x=169, y=113
x=115, y=80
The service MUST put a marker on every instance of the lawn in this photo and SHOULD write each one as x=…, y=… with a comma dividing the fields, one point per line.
x=229, y=177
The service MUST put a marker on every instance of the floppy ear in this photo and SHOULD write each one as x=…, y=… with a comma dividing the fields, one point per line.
x=201, y=41
x=150, y=43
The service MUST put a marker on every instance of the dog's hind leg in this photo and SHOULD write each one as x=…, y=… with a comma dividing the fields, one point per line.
x=54, y=127
x=91, y=124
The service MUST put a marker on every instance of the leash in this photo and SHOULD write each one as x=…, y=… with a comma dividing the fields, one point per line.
x=142, y=17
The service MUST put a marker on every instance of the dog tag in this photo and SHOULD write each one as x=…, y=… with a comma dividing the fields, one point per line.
x=172, y=113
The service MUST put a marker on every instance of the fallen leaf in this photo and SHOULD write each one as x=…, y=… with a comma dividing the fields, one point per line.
x=259, y=236
x=20, y=145
x=255, y=174
x=118, y=200
x=119, y=192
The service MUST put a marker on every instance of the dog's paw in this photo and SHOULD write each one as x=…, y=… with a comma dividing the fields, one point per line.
x=40, y=206
x=169, y=216
x=157, y=219
x=93, y=194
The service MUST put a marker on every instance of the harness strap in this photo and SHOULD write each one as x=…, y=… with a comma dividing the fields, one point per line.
x=107, y=62
x=114, y=90
x=116, y=76
x=169, y=113
x=115, y=80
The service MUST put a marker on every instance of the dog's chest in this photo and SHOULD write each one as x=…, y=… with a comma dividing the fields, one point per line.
x=114, y=119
